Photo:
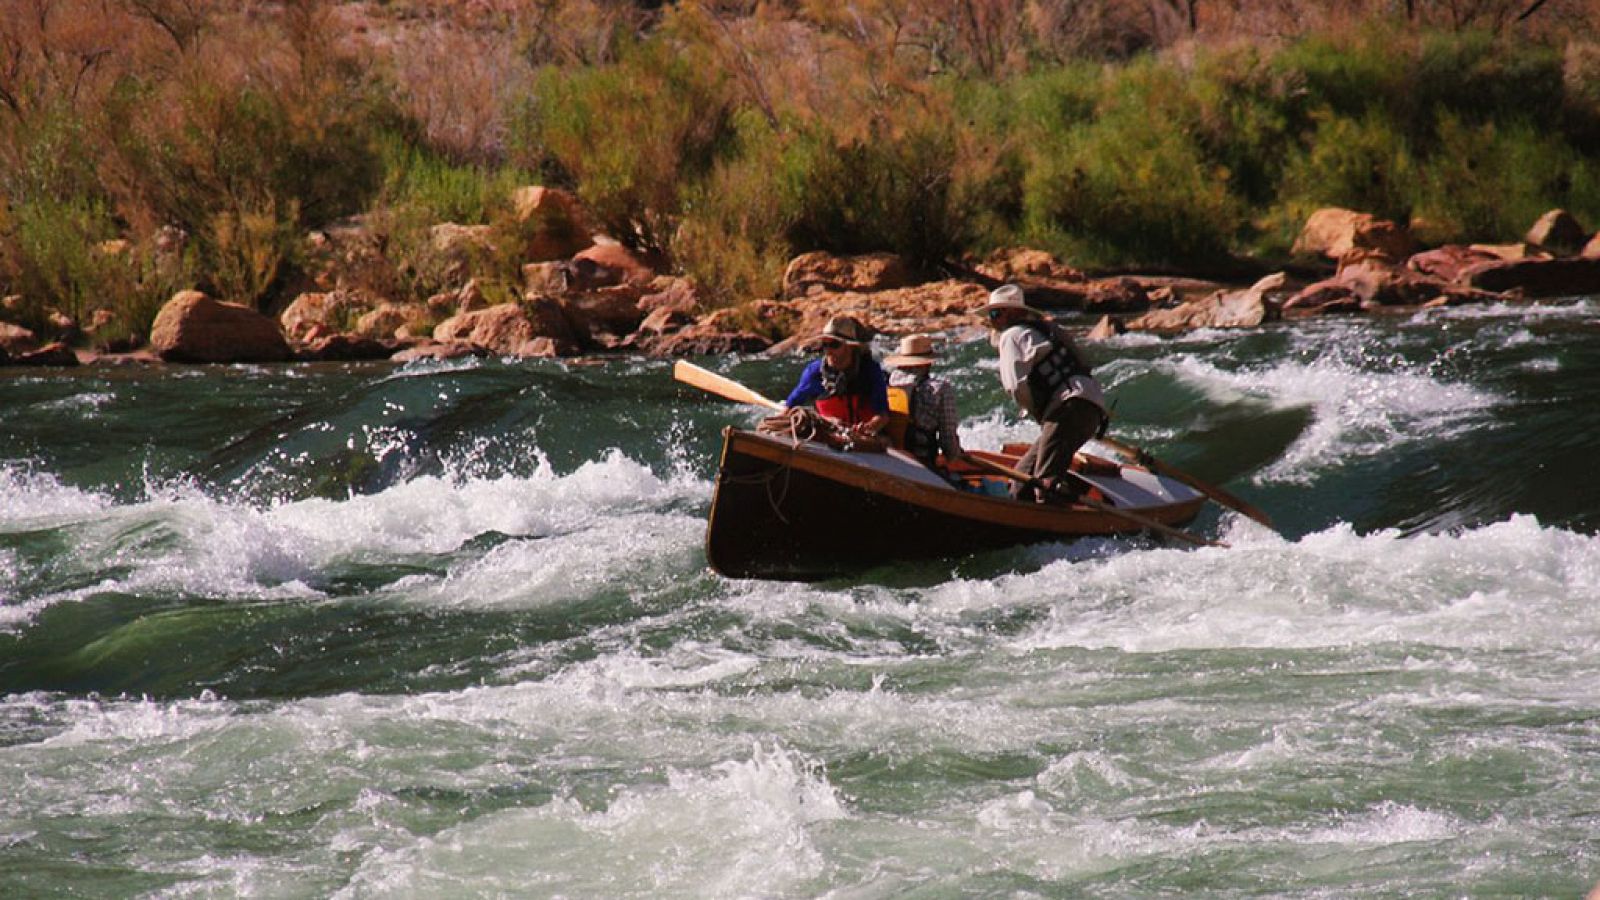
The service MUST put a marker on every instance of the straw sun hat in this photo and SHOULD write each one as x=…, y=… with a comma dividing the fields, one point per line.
x=914, y=350
x=1007, y=296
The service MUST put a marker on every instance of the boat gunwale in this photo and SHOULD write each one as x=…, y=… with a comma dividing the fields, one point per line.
x=1072, y=521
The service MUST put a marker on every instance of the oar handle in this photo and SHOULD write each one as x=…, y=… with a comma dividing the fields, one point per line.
x=722, y=386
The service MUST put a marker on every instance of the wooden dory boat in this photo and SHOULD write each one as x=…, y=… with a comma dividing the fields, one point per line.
x=801, y=510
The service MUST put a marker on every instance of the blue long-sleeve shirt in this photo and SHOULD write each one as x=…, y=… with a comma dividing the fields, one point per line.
x=873, y=385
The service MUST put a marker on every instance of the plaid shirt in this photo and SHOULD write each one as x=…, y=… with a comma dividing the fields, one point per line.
x=933, y=407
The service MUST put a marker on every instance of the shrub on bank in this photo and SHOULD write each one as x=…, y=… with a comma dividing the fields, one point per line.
x=632, y=135
x=734, y=144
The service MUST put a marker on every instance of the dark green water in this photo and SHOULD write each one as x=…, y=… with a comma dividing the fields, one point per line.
x=446, y=630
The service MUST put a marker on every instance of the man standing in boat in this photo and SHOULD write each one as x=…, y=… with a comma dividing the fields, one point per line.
x=1041, y=368
x=847, y=384
x=930, y=402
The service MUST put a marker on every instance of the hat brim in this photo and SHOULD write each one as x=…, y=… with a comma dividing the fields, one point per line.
x=823, y=340
x=901, y=362
x=988, y=308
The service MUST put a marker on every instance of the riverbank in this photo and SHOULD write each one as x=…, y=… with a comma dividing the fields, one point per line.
x=248, y=152
x=605, y=300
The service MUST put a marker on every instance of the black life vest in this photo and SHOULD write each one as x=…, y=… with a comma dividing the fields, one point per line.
x=1050, y=375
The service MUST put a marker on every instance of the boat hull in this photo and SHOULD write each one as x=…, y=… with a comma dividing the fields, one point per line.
x=801, y=511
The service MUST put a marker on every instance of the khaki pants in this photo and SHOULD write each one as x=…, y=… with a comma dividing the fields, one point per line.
x=1066, y=427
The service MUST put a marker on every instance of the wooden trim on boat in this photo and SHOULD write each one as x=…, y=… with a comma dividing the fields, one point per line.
x=787, y=510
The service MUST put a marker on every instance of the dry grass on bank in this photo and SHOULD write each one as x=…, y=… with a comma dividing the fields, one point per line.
x=149, y=145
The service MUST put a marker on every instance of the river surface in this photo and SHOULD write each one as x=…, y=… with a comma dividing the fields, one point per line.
x=447, y=630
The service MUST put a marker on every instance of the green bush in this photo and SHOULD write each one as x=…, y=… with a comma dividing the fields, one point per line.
x=426, y=182
x=894, y=190
x=1491, y=181
x=631, y=135
x=63, y=260
x=1121, y=190
x=734, y=239
x=243, y=171
x=57, y=258
x=1361, y=164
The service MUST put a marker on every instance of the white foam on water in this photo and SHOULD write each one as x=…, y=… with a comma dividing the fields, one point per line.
x=1512, y=584
x=1581, y=309
x=32, y=500
x=742, y=828
x=181, y=540
x=1357, y=413
x=135, y=721
x=997, y=428
x=436, y=514
x=1387, y=823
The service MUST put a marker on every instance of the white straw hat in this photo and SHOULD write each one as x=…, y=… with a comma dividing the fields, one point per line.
x=1007, y=296
x=914, y=350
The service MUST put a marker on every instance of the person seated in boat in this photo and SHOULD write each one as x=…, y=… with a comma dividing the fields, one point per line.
x=1041, y=368
x=931, y=420
x=846, y=383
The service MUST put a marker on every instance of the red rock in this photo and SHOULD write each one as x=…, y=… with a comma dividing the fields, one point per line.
x=818, y=271
x=613, y=310
x=1116, y=295
x=1557, y=231
x=52, y=354
x=1334, y=232
x=438, y=350
x=1538, y=277
x=15, y=339
x=1248, y=308
x=1448, y=262
x=628, y=267
x=505, y=328
x=343, y=347
x=192, y=327
x=312, y=311
x=556, y=223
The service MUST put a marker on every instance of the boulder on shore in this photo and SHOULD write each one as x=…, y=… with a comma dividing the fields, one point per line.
x=1568, y=277
x=512, y=329
x=52, y=354
x=14, y=339
x=722, y=331
x=1223, y=309
x=819, y=271
x=1366, y=285
x=561, y=226
x=1334, y=233
x=1448, y=262
x=194, y=328
x=1557, y=231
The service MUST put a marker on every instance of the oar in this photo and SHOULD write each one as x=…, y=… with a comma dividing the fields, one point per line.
x=706, y=380
x=1126, y=515
x=1210, y=490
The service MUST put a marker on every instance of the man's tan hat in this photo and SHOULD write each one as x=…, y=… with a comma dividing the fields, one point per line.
x=1007, y=296
x=914, y=350
x=846, y=330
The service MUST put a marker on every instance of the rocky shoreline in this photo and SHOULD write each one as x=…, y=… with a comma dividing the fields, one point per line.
x=584, y=295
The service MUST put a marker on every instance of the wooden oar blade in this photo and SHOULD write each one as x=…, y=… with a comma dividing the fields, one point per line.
x=1221, y=496
x=722, y=386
